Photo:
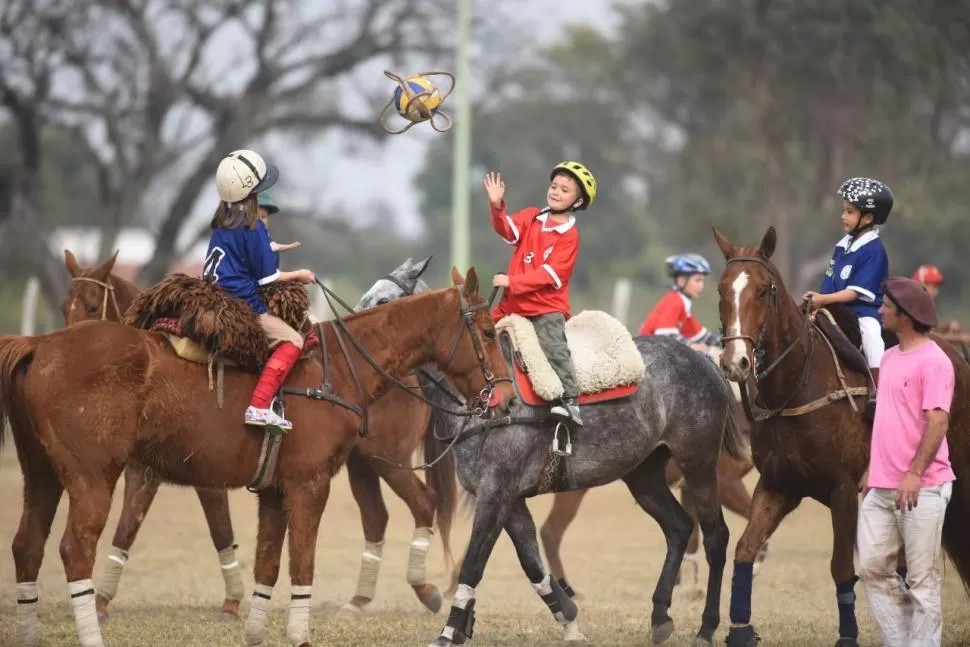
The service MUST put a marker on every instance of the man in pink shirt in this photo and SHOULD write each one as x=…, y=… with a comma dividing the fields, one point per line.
x=910, y=478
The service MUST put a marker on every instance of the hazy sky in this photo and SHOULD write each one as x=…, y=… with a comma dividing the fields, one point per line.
x=324, y=174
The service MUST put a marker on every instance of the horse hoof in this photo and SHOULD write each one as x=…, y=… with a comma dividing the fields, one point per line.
x=230, y=608
x=349, y=612
x=702, y=642
x=744, y=636
x=661, y=632
x=847, y=642
x=101, y=604
x=226, y=618
x=440, y=641
x=573, y=636
x=430, y=596
x=102, y=618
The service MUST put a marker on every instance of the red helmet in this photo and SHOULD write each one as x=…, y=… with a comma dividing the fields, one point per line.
x=928, y=275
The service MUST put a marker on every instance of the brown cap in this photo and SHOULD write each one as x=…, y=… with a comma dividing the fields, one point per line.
x=912, y=299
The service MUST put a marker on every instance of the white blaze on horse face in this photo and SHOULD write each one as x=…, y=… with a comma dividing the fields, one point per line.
x=738, y=347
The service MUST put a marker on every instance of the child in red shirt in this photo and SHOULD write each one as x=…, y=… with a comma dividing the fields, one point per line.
x=672, y=315
x=537, y=284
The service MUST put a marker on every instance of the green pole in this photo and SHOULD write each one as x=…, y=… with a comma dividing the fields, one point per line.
x=460, y=248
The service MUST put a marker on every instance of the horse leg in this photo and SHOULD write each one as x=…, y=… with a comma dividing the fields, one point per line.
x=266, y=570
x=735, y=497
x=215, y=505
x=42, y=493
x=768, y=508
x=420, y=500
x=693, y=543
x=304, y=504
x=565, y=507
x=522, y=531
x=707, y=506
x=365, y=485
x=90, y=503
x=844, y=505
x=648, y=485
x=491, y=510
x=139, y=493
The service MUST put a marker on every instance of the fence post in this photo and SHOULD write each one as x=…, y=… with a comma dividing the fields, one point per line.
x=621, y=299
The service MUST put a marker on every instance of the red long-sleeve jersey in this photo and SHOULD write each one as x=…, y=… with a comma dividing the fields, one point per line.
x=541, y=265
x=672, y=316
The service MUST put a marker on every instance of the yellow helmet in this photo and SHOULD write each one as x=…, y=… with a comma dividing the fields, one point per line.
x=587, y=183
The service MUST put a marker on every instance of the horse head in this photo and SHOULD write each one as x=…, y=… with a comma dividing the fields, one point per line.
x=94, y=292
x=758, y=316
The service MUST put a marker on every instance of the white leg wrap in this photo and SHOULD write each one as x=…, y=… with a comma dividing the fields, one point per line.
x=370, y=568
x=417, y=558
x=28, y=629
x=298, y=623
x=231, y=574
x=111, y=575
x=85, y=614
x=544, y=587
x=463, y=596
x=255, y=631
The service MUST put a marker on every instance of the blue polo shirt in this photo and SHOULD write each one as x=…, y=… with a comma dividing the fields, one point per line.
x=860, y=265
x=240, y=260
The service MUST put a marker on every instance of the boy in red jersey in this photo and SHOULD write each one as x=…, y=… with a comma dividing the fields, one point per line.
x=537, y=284
x=672, y=315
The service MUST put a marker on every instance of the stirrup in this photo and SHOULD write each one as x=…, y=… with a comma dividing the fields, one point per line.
x=567, y=447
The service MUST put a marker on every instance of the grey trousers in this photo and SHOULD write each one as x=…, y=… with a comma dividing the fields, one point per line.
x=551, y=331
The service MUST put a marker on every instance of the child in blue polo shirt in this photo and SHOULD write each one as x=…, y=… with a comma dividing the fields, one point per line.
x=859, y=264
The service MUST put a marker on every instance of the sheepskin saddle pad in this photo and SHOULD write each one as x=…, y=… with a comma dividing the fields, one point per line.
x=607, y=362
x=201, y=321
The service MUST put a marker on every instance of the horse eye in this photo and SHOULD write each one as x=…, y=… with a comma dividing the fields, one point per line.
x=383, y=301
x=489, y=334
x=92, y=308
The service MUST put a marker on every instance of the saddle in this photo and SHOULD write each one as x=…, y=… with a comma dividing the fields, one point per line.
x=606, y=360
x=203, y=324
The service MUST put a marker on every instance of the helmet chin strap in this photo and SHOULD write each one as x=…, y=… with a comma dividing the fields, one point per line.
x=860, y=229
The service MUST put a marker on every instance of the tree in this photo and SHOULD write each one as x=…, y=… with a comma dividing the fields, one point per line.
x=148, y=87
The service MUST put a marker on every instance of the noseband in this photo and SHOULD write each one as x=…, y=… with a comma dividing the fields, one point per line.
x=109, y=289
x=757, y=345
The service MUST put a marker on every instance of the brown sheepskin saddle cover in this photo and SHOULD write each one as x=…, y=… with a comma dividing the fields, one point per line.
x=201, y=321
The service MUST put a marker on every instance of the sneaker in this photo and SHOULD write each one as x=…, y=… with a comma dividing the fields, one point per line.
x=567, y=410
x=266, y=418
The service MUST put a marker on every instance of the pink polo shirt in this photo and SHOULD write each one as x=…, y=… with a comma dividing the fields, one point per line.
x=910, y=384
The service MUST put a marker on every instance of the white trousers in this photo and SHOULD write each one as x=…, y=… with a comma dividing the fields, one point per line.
x=913, y=618
x=872, y=344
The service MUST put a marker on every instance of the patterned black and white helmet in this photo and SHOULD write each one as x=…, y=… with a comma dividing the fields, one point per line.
x=868, y=196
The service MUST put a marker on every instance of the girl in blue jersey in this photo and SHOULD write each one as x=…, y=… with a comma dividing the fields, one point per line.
x=859, y=264
x=240, y=259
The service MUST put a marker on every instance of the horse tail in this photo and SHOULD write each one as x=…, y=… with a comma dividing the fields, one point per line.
x=441, y=477
x=733, y=440
x=956, y=524
x=15, y=353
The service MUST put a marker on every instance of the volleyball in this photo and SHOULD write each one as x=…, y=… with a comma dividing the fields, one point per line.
x=423, y=102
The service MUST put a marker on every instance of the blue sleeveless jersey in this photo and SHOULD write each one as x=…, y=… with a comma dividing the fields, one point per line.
x=240, y=260
x=860, y=265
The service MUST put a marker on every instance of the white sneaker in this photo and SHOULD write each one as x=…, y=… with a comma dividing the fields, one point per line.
x=266, y=418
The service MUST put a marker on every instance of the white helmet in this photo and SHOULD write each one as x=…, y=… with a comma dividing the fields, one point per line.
x=242, y=173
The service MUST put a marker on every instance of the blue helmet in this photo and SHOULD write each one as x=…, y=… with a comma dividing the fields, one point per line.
x=687, y=264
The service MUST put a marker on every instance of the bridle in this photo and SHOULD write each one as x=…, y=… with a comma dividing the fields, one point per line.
x=757, y=344
x=109, y=289
x=467, y=314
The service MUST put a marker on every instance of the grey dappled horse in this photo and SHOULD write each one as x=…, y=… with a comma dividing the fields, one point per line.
x=681, y=409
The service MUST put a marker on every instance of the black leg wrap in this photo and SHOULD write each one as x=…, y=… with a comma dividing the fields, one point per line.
x=462, y=621
x=562, y=607
x=744, y=636
x=564, y=585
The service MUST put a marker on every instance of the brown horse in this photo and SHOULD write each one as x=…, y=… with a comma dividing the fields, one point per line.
x=813, y=440
x=396, y=429
x=85, y=401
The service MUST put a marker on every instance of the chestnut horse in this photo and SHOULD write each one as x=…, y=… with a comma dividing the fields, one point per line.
x=396, y=429
x=86, y=400
x=811, y=441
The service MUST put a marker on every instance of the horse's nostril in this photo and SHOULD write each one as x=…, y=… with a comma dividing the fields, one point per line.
x=744, y=364
x=511, y=402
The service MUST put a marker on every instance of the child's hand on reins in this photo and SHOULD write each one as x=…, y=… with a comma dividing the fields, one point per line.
x=495, y=188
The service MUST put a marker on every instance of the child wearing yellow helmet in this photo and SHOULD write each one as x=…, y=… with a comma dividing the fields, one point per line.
x=546, y=245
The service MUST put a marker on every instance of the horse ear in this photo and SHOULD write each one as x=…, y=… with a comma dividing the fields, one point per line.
x=723, y=243
x=456, y=278
x=768, y=242
x=109, y=264
x=422, y=266
x=471, y=282
x=71, y=263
